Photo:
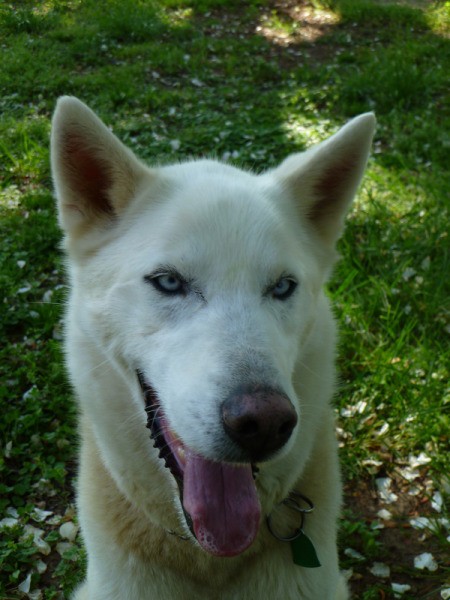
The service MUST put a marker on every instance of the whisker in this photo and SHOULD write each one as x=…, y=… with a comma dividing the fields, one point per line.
x=95, y=367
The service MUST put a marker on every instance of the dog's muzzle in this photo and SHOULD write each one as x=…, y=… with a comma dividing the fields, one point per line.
x=219, y=498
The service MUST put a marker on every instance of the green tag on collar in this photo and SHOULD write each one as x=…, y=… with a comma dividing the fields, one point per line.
x=303, y=552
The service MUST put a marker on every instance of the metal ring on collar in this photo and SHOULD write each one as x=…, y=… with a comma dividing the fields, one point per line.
x=292, y=501
x=289, y=538
x=305, y=499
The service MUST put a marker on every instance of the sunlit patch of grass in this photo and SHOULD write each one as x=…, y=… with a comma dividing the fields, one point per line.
x=438, y=17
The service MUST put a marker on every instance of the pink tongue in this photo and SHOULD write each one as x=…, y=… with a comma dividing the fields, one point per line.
x=222, y=502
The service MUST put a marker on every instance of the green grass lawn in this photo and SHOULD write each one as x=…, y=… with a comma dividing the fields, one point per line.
x=247, y=81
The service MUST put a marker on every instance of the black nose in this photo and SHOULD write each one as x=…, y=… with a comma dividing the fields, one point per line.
x=260, y=420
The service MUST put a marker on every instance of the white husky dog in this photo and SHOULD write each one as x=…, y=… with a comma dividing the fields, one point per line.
x=197, y=310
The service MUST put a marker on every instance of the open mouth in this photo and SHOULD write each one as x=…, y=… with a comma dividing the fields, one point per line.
x=219, y=499
x=171, y=449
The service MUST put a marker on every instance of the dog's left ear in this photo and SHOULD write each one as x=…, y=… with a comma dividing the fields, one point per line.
x=95, y=175
x=324, y=179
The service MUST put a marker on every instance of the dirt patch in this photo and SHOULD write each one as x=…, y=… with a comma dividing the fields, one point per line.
x=398, y=541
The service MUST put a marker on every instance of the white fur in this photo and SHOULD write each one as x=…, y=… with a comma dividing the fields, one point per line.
x=234, y=234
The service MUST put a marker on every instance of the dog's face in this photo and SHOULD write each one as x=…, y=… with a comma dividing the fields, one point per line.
x=217, y=282
x=201, y=283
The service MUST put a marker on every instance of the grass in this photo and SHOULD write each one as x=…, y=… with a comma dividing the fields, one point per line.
x=250, y=82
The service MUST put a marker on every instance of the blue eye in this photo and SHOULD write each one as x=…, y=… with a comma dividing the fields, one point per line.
x=284, y=288
x=170, y=284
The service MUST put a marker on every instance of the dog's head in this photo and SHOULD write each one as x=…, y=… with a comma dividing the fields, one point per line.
x=202, y=284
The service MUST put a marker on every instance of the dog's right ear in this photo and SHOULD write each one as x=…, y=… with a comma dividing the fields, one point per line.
x=94, y=174
x=324, y=179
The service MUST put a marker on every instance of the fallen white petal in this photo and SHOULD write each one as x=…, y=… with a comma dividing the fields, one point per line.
x=41, y=566
x=409, y=473
x=383, y=429
x=414, y=490
x=28, y=393
x=348, y=412
x=425, y=561
x=42, y=546
x=351, y=553
x=34, y=531
x=420, y=523
x=361, y=406
x=8, y=522
x=417, y=461
x=400, y=588
x=425, y=264
x=408, y=273
x=384, y=514
x=445, y=593
x=68, y=531
x=437, y=501
x=11, y=511
x=426, y=523
x=26, y=584
x=371, y=462
x=35, y=595
x=55, y=520
x=380, y=570
x=384, y=490
x=40, y=515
